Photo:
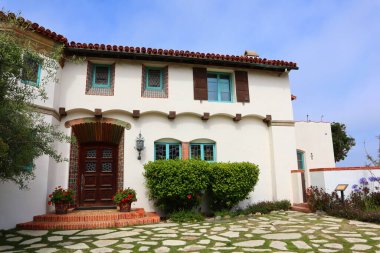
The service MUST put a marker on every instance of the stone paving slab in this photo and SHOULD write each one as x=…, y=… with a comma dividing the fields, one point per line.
x=276, y=232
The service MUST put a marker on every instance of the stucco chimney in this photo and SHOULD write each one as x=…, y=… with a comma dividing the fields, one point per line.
x=251, y=53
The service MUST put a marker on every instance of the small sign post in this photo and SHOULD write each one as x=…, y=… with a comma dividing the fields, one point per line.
x=341, y=188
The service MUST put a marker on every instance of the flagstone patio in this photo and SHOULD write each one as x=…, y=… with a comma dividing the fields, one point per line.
x=278, y=232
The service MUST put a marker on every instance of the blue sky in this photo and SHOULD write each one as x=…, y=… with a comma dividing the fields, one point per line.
x=336, y=44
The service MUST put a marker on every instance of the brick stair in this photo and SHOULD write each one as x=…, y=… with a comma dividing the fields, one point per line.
x=301, y=207
x=90, y=219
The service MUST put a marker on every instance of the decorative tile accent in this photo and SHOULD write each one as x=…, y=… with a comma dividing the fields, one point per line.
x=164, y=93
x=99, y=91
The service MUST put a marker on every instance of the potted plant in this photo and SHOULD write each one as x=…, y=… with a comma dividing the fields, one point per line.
x=61, y=199
x=124, y=199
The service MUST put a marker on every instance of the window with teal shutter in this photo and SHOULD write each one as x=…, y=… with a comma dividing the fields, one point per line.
x=300, y=160
x=101, y=76
x=166, y=151
x=219, y=87
x=203, y=151
x=154, y=78
x=31, y=74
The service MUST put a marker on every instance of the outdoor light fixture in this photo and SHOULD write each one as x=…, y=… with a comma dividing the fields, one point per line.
x=139, y=145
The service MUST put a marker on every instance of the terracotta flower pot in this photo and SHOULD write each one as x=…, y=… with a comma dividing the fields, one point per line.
x=125, y=207
x=61, y=208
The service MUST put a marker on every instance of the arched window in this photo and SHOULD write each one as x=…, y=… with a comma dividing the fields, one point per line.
x=301, y=159
x=203, y=149
x=165, y=149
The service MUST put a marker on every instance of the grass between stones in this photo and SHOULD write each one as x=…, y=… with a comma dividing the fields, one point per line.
x=278, y=231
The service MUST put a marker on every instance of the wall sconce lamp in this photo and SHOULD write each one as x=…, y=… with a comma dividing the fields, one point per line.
x=139, y=145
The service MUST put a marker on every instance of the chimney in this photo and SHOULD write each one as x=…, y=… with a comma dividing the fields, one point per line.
x=251, y=53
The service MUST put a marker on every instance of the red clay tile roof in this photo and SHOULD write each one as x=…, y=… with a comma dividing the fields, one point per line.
x=27, y=24
x=147, y=51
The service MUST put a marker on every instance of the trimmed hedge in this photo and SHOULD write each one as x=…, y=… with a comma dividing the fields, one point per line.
x=176, y=184
x=179, y=184
x=231, y=183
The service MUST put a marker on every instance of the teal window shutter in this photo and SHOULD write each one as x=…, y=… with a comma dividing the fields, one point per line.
x=31, y=75
x=154, y=78
x=101, y=76
x=300, y=160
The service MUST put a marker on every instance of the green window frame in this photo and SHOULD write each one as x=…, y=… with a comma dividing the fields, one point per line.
x=148, y=78
x=167, y=148
x=301, y=160
x=96, y=84
x=219, y=87
x=201, y=149
x=32, y=76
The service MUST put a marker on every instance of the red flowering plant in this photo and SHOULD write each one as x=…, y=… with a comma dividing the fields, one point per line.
x=124, y=196
x=61, y=196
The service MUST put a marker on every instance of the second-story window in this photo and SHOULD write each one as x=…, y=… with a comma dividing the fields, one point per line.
x=154, y=79
x=101, y=76
x=219, y=87
x=100, y=79
x=154, y=82
x=31, y=73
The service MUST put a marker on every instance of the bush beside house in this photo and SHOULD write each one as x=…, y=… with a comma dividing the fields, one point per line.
x=176, y=184
x=231, y=183
x=181, y=184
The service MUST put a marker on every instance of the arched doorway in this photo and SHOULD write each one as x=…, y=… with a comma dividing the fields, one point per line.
x=96, y=160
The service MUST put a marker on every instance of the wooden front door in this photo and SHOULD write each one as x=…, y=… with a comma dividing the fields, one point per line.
x=97, y=177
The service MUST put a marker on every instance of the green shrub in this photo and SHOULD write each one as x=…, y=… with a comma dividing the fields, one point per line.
x=176, y=184
x=359, y=205
x=372, y=201
x=231, y=183
x=186, y=216
x=268, y=206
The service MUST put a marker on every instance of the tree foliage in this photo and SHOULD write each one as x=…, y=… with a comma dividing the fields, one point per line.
x=341, y=141
x=24, y=135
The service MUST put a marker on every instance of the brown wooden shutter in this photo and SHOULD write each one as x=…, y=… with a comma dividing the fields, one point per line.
x=200, y=83
x=242, y=90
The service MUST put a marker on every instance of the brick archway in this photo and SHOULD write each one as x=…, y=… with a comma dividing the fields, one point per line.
x=94, y=131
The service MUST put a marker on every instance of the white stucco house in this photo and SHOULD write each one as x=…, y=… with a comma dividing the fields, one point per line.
x=185, y=105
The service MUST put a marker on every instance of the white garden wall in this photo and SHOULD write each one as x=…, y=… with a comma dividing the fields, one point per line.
x=329, y=178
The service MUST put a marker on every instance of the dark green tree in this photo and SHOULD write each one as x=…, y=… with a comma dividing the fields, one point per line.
x=24, y=135
x=341, y=141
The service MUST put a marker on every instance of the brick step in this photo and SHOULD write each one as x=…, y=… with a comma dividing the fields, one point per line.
x=302, y=205
x=90, y=215
x=38, y=225
x=90, y=220
x=301, y=209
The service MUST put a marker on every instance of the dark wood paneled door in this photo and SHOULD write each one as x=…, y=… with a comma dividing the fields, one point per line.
x=97, y=177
